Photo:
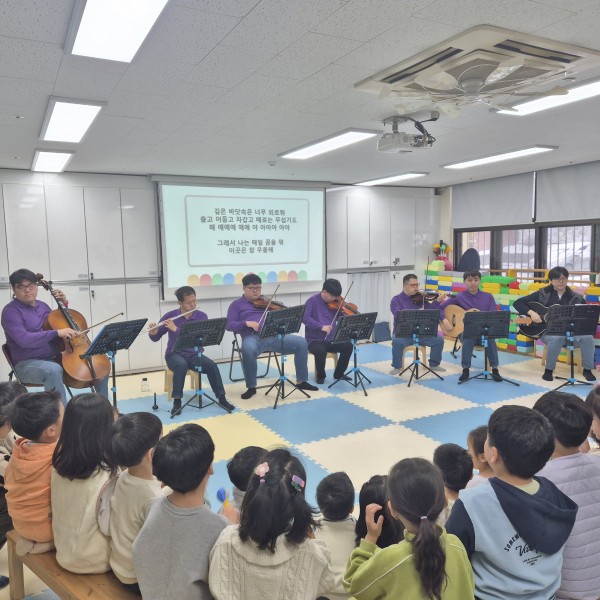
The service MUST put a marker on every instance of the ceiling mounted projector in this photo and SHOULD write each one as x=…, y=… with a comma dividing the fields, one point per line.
x=398, y=141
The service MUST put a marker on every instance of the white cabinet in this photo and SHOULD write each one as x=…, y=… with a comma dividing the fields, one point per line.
x=104, y=232
x=358, y=232
x=66, y=233
x=4, y=270
x=143, y=302
x=337, y=232
x=379, y=231
x=403, y=228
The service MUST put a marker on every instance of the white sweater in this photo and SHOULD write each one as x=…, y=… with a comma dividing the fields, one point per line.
x=239, y=570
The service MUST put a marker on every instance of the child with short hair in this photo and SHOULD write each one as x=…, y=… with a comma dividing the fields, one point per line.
x=578, y=476
x=335, y=497
x=240, y=468
x=373, y=492
x=170, y=553
x=475, y=442
x=272, y=553
x=593, y=402
x=131, y=446
x=514, y=529
x=81, y=469
x=428, y=563
x=37, y=419
x=456, y=466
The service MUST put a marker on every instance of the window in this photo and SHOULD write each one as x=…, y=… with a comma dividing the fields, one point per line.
x=569, y=247
x=518, y=249
x=481, y=241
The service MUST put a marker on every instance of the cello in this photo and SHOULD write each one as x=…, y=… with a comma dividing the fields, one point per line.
x=77, y=372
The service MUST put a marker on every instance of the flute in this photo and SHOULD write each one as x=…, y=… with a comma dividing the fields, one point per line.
x=171, y=319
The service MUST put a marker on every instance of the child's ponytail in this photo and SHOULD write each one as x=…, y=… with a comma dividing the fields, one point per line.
x=430, y=558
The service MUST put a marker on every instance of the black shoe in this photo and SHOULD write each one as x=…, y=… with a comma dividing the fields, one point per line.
x=307, y=387
x=3, y=581
x=176, y=408
x=464, y=376
x=496, y=375
x=226, y=405
x=321, y=380
x=548, y=376
x=589, y=376
x=343, y=378
x=248, y=393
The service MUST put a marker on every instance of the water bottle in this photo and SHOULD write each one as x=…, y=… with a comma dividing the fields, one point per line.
x=145, y=385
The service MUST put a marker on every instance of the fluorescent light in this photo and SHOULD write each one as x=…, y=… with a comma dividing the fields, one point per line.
x=393, y=179
x=49, y=161
x=499, y=157
x=582, y=92
x=68, y=120
x=339, y=140
x=113, y=29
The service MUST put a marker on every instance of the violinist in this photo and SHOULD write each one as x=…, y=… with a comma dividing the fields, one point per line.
x=179, y=362
x=406, y=301
x=245, y=318
x=319, y=330
x=33, y=350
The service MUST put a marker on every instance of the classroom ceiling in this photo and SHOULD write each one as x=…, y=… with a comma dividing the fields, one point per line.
x=222, y=87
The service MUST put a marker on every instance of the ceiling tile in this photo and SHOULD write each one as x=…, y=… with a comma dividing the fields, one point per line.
x=76, y=80
x=191, y=98
x=25, y=92
x=31, y=20
x=27, y=59
x=236, y=8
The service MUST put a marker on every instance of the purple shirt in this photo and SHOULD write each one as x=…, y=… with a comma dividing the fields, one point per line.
x=25, y=337
x=317, y=314
x=197, y=315
x=483, y=301
x=240, y=311
x=405, y=302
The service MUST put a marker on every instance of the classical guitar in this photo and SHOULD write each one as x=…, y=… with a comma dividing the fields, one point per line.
x=456, y=316
x=531, y=329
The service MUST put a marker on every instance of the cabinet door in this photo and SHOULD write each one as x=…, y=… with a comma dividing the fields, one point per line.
x=337, y=232
x=403, y=231
x=379, y=231
x=104, y=232
x=26, y=233
x=66, y=233
x=4, y=271
x=106, y=301
x=358, y=232
x=140, y=233
x=143, y=303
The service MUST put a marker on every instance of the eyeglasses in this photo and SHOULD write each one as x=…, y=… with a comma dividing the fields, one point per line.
x=254, y=288
x=26, y=288
x=561, y=280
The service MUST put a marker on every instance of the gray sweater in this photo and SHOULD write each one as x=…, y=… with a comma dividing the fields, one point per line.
x=171, y=551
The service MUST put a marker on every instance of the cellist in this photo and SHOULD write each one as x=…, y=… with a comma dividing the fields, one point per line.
x=32, y=349
x=319, y=329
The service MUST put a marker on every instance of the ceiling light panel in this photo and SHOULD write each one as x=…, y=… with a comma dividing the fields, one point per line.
x=68, y=120
x=500, y=157
x=339, y=140
x=50, y=162
x=393, y=179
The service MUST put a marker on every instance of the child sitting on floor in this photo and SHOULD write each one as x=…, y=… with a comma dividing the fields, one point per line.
x=593, y=402
x=475, y=442
x=457, y=469
x=37, y=418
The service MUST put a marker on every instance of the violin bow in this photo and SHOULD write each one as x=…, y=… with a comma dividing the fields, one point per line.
x=337, y=312
x=269, y=304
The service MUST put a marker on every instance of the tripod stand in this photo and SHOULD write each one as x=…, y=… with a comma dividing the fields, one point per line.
x=417, y=324
x=352, y=328
x=570, y=322
x=483, y=325
x=195, y=334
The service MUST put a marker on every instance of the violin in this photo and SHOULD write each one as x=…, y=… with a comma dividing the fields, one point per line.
x=266, y=303
x=346, y=308
x=77, y=372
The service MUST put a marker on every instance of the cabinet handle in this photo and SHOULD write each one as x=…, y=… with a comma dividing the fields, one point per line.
x=93, y=295
x=91, y=276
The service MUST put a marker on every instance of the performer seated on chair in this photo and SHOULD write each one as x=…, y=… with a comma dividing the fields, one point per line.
x=558, y=292
x=247, y=320
x=180, y=361
x=474, y=299
x=33, y=350
x=319, y=330
x=408, y=299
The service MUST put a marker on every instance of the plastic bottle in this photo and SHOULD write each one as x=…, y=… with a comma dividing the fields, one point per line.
x=145, y=385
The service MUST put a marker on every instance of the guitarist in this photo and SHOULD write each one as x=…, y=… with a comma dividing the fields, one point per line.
x=411, y=299
x=474, y=298
x=558, y=292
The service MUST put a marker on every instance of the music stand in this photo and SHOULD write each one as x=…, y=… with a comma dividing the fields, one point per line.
x=351, y=328
x=114, y=337
x=196, y=334
x=281, y=323
x=416, y=324
x=571, y=321
x=483, y=325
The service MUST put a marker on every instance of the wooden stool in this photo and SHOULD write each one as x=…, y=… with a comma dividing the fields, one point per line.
x=422, y=354
x=577, y=360
x=332, y=355
x=192, y=373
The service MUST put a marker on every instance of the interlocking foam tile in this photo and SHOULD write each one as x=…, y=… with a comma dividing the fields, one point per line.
x=318, y=419
x=527, y=401
x=453, y=427
x=368, y=453
x=45, y=595
x=372, y=352
x=400, y=402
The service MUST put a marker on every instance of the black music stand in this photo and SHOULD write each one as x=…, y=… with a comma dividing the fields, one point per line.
x=416, y=324
x=196, y=334
x=352, y=328
x=483, y=325
x=281, y=323
x=569, y=321
x=114, y=337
